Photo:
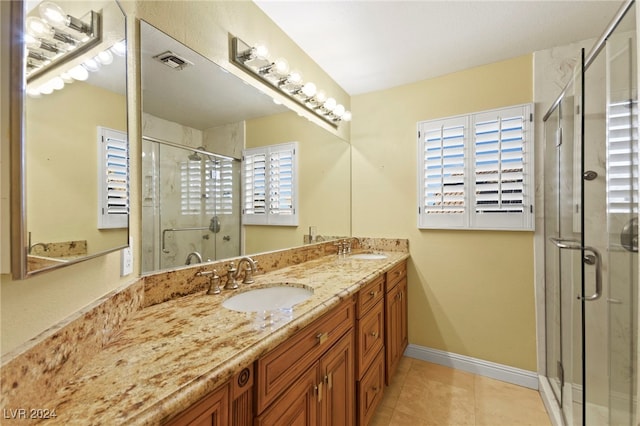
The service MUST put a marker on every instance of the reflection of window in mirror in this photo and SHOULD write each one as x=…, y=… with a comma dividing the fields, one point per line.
x=113, y=179
x=270, y=182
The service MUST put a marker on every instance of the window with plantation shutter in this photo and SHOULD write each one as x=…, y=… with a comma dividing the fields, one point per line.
x=206, y=186
x=269, y=183
x=475, y=171
x=622, y=157
x=113, y=179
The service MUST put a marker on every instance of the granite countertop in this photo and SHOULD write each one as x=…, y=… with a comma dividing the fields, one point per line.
x=170, y=355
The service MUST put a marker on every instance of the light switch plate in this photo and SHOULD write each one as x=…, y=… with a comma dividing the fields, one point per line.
x=126, y=259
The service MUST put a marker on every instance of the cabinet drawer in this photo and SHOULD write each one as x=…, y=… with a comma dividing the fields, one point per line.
x=369, y=295
x=395, y=274
x=370, y=338
x=370, y=390
x=281, y=367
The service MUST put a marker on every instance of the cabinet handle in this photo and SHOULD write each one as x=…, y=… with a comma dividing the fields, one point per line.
x=322, y=337
x=328, y=379
x=319, y=391
x=374, y=334
x=373, y=293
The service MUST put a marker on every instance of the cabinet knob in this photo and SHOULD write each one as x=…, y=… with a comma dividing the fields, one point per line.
x=374, y=334
x=373, y=293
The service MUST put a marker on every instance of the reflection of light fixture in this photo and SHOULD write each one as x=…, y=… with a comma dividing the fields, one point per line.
x=289, y=83
x=55, y=38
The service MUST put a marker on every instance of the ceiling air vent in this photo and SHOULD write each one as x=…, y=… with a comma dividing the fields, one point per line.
x=172, y=60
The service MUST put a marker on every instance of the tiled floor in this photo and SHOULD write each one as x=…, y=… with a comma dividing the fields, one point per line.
x=426, y=394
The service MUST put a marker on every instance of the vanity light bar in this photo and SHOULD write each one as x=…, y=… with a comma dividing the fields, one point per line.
x=55, y=38
x=278, y=75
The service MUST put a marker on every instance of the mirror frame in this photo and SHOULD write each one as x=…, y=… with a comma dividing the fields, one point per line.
x=18, y=209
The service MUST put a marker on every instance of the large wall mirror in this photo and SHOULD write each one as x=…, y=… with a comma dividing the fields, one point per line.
x=197, y=118
x=72, y=135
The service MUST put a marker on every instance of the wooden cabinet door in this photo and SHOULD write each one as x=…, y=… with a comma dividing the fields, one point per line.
x=370, y=390
x=393, y=330
x=404, y=317
x=210, y=411
x=337, y=374
x=397, y=336
x=298, y=405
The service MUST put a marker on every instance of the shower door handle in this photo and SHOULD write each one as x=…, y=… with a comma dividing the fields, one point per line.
x=590, y=259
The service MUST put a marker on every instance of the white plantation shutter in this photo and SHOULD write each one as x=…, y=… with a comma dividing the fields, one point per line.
x=502, y=142
x=220, y=182
x=476, y=171
x=442, y=169
x=622, y=157
x=210, y=189
x=269, y=182
x=191, y=187
x=254, y=172
x=113, y=179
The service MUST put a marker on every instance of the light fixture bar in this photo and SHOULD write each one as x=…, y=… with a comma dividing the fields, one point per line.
x=289, y=83
x=47, y=58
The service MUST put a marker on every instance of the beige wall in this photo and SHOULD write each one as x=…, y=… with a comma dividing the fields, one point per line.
x=30, y=307
x=66, y=159
x=324, y=181
x=470, y=292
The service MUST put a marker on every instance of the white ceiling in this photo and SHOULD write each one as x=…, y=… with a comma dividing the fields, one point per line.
x=367, y=46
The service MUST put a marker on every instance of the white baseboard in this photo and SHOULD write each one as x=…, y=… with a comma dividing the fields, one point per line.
x=493, y=370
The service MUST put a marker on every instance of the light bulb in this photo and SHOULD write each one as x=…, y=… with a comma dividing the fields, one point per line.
x=53, y=14
x=46, y=89
x=33, y=92
x=321, y=96
x=79, y=73
x=91, y=65
x=294, y=78
x=280, y=67
x=66, y=77
x=339, y=111
x=37, y=27
x=120, y=48
x=309, y=89
x=346, y=116
x=57, y=83
x=105, y=57
x=31, y=41
x=329, y=104
x=261, y=51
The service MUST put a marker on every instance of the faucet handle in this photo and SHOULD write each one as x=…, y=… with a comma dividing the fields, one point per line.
x=231, y=277
x=340, y=249
x=214, y=281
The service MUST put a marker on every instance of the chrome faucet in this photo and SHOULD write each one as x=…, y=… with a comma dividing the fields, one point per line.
x=249, y=270
x=193, y=254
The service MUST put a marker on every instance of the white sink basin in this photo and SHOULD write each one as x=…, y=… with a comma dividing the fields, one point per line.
x=270, y=298
x=369, y=256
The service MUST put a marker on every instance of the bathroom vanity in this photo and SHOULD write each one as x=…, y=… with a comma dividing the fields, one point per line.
x=186, y=359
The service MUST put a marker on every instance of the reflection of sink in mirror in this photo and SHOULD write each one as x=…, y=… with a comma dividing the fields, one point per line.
x=369, y=256
x=277, y=296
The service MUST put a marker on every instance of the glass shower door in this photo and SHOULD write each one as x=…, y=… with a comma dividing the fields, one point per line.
x=622, y=220
x=563, y=261
x=190, y=206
